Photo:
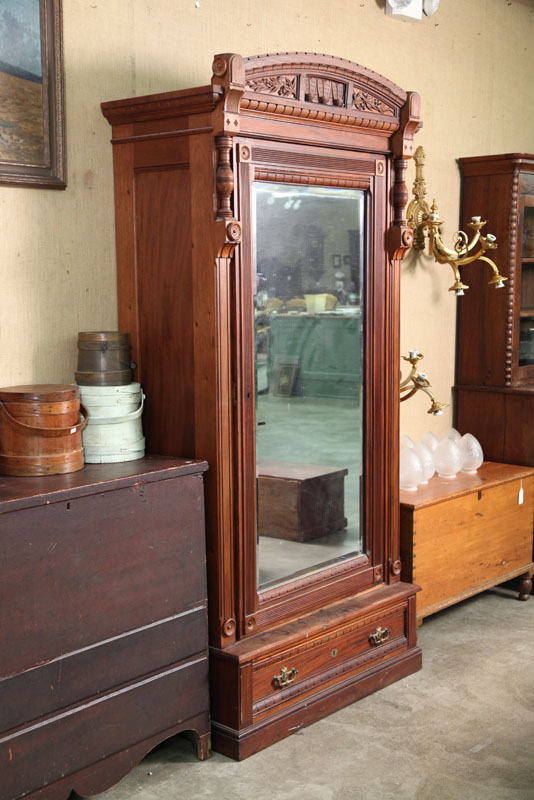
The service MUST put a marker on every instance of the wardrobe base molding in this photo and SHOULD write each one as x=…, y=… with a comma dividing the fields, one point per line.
x=289, y=677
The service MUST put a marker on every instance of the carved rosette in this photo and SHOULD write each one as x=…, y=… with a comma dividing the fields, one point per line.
x=396, y=567
x=229, y=627
x=233, y=231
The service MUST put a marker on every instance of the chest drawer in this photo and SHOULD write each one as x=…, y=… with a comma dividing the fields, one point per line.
x=326, y=658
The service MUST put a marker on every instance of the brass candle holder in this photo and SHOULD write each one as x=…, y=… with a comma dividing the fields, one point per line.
x=426, y=223
x=418, y=381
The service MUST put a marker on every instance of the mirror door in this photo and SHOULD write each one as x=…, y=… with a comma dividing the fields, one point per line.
x=308, y=251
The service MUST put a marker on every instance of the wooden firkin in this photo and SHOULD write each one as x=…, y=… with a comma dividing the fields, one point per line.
x=462, y=536
x=300, y=501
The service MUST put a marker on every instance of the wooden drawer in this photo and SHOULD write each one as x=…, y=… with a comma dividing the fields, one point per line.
x=61, y=745
x=326, y=658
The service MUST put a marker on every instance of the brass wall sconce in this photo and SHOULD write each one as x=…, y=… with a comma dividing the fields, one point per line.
x=418, y=381
x=425, y=222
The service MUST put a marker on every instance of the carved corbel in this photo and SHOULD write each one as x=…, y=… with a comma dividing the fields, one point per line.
x=232, y=238
x=400, y=235
x=229, y=80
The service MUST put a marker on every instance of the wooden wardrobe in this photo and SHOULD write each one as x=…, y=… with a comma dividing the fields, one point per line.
x=276, y=193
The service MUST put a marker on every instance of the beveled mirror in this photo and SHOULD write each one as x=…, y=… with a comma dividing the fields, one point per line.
x=308, y=301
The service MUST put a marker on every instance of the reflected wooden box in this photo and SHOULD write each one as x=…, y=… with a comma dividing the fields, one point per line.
x=462, y=536
x=300, y=501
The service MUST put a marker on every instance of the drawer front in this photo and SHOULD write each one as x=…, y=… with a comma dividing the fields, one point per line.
x=88, y=570
x=61, y=745
x=79, y=676
x=327, y=658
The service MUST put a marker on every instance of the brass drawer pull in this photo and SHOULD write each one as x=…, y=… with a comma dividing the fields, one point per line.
x=286, y=677
x=379, y=636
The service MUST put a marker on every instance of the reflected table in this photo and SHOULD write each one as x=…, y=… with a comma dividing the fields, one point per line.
x=325, y=349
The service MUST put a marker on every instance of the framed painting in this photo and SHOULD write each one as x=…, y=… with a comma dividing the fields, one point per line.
x=32, y=124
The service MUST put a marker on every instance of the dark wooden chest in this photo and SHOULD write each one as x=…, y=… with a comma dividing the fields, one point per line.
x=300, y=501
x=103, y=620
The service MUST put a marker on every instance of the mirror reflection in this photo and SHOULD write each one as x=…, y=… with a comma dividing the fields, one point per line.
x=308, y=267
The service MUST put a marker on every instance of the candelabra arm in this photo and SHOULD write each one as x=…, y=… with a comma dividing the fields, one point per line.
x=426, y=222
x=438, y=249
x=473, y=243
x=418, y=381
x=410, y=394
x=497, y=275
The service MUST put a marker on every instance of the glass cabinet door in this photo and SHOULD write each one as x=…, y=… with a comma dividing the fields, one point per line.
x=526, y=304
x=308, y=260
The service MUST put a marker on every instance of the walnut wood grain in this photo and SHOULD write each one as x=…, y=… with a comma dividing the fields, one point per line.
x=109, y=649
x=184, y=260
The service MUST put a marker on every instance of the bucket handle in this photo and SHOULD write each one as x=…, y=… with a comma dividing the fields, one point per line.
x=126, y=418
x=47, y=433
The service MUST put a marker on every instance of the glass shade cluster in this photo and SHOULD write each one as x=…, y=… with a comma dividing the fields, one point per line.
x=420, y=460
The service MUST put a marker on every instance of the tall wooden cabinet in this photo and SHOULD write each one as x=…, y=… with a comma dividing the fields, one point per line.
x=495, y=350
x=278, y=189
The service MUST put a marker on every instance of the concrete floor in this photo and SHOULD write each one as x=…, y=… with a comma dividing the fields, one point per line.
x=461, y=729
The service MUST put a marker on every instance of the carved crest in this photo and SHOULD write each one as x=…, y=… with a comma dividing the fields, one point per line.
x=325, y=91
x=280, y=85
x=334, y=83
x=364, y=101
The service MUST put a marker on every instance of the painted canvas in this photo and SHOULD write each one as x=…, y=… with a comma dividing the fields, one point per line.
x=22, y=134
x=31, y=94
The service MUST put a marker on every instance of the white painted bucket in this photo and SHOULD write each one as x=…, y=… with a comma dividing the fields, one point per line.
x=114, y=430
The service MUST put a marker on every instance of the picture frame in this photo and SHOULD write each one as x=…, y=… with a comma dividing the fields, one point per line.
x=284, y=375
x=32, y=117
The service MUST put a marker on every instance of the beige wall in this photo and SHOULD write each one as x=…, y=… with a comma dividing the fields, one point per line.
x=471, y=62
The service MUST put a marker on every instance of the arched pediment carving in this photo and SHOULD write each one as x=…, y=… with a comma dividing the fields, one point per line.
x=319, y=80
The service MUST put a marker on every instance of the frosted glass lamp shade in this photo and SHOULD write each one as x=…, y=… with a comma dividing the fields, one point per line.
x=426, y=458
x=410, y=469
x=430, y=440
x=453, y=434
x=406, y=441
x=447, y=458
x=471, y=450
